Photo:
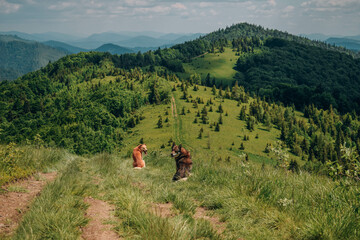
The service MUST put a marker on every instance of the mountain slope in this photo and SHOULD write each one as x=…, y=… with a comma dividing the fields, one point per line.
x=348, y=43
x=297, y=74
x=65, y=47
x=113, y=49
x=22, y=56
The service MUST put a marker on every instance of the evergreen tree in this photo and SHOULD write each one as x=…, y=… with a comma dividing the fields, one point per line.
x=220, y=119
x=160, y=123
x=217, y=127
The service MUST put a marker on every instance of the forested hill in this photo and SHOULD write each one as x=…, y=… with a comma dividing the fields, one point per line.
x=19, y=56
x=251, y=31
x=298, y=74
x=81, y=102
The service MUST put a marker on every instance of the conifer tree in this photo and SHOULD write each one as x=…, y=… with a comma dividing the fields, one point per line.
x=160, y=123
x=217, y=127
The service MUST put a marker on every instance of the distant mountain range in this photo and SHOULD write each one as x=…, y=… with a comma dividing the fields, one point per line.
x=22, y=52
x=19, y=56
x=142, y=40
x=349, y=42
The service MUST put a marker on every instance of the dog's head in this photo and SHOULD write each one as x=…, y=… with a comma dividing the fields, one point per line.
x=143, y=148
x=176, y=150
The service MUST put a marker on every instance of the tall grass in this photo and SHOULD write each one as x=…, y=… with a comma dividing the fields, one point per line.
x=58, y=213
x=21, y=161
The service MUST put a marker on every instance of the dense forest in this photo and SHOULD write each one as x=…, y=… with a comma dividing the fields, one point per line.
x=68, y=104
x=298, y=74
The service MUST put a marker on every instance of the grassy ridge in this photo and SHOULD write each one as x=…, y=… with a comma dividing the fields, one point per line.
x=254, y=200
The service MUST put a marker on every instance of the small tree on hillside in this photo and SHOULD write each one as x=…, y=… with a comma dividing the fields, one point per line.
x=217, y=127
x=160, y=122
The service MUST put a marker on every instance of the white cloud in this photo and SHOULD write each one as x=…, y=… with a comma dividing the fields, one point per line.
x=205, y=4
x=179, y=6
x=330, y=3
x=135, y=3
x=272, y=3
x=7, y=8
x=156, y=9
x=289, y=9
x=61, y=6
x=213, y=12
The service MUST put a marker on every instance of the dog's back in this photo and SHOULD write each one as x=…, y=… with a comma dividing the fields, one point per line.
x=183, y=162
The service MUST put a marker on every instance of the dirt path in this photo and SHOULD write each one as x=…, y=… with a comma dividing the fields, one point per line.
x=15, y=202
x=214, y=221
x=173, y=107
x=99, y=212
x=201, y=55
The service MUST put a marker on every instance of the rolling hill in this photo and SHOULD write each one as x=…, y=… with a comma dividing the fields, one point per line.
x=19, y=56
x=113, y=49
x=65, y=47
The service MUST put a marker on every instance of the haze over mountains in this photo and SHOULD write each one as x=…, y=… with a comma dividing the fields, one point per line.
x=124, y=39
x=349, y=42
x=22, y=52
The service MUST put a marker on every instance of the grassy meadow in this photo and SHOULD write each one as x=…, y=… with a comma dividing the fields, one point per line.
x=219, y=65
x=249, y=199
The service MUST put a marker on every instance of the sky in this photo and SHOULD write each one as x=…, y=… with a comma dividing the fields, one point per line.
x=85, y=17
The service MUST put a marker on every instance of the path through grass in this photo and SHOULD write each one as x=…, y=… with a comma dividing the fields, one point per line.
x=249, y=199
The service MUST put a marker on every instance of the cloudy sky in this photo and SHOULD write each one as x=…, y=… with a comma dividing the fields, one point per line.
x=84, y=17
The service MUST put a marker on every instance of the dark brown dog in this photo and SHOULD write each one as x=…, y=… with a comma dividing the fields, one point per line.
x=183, y=162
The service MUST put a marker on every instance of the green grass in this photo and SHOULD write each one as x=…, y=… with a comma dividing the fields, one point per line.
x=219, y=65
x=252, y=198
x=18, y=162
x=59, y=211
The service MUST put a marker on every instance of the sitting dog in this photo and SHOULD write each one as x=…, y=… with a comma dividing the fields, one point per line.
x=139, y=162
x=183, y=162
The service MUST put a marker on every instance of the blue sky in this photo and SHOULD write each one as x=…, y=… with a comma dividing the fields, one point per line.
x=84, y=17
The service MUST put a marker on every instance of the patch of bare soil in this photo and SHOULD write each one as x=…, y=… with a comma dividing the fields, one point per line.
x=14, y=204
x=162, y=210
x=214, y=221
x=173, y=107
x=99, y=212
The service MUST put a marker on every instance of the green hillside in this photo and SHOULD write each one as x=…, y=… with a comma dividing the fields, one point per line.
x=72, y=104
x=219, y=65
x=19, y=56
x=228, y=195
x=262, y=169
x=297, y=74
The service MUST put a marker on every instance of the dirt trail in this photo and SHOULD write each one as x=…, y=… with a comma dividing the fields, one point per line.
x=173, y=107
x=200, y=55
x=214, y=221
x=162, y=209
x=13, y=204
x=99, y=212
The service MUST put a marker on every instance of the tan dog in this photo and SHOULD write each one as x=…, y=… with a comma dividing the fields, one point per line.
x=183, y=162
x=139, y=162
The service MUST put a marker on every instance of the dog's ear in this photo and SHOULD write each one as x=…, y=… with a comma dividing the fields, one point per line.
x=173, y=144
x=180, y=146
